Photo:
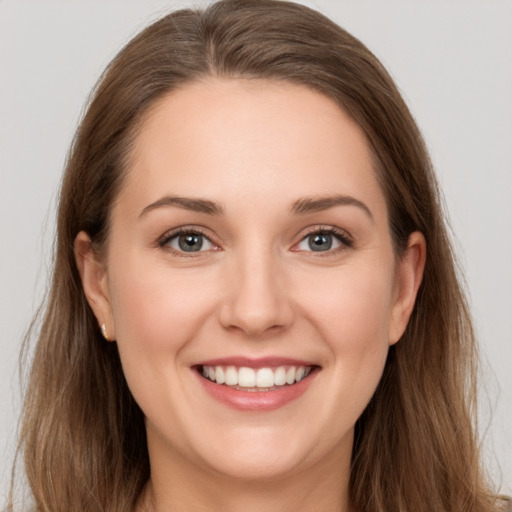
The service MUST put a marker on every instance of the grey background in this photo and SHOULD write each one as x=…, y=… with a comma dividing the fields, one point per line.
x=451, y=59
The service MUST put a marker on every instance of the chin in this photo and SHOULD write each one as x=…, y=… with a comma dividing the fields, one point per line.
x=262, y=454
x=261, y=469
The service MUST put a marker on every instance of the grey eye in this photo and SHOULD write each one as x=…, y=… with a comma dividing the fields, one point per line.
x=189, y=242
x=320, y=242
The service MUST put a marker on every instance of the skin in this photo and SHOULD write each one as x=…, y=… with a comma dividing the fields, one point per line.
x=256, y=289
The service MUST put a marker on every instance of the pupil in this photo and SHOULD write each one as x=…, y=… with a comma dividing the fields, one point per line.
x=190, y=242
x=320, y=242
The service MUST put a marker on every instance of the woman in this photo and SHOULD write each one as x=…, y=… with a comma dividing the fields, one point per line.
x=255, y=304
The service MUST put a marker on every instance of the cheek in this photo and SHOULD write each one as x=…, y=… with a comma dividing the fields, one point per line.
x=352, y=305
x=157, y=312
x=359, y=337
x=158, y=308
x=352, y=315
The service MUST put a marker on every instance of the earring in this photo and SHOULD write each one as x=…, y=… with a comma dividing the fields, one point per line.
x=104, y=331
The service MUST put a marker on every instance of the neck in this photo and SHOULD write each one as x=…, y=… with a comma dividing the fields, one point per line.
x=182, y=486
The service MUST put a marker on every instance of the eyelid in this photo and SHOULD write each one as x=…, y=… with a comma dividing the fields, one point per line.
x=341, y=235
x=344, y=238
x=164, y=240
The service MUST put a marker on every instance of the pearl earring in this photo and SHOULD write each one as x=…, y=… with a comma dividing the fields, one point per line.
x=104, y=331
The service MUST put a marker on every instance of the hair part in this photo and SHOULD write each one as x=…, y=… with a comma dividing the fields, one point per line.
x=415, y=446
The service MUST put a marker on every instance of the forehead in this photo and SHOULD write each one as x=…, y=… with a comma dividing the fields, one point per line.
x=225, y=139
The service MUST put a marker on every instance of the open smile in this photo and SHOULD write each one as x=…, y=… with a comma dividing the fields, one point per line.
x=251, y=379
x=256, y=385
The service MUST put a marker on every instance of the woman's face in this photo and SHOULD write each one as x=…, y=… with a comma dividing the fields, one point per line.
x=249, y=249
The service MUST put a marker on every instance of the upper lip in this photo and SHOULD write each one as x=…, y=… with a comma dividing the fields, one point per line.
x=262, y=362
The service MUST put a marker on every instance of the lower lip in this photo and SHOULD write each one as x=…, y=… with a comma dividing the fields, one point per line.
x=256, y=400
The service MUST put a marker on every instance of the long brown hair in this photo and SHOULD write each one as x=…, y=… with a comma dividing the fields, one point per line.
x=83, y=435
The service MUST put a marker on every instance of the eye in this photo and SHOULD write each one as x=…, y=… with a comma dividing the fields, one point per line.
x=324, y=240
x=188, y=241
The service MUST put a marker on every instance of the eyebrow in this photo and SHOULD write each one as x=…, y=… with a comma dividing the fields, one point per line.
x=187, y=203
x=317, y=204
x=300, y=207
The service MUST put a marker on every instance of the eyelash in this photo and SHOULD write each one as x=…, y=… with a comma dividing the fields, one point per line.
x=342, y=236
x=345, y=240
x=168, y=237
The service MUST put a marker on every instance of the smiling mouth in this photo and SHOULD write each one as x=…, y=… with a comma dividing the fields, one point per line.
x=252, y=379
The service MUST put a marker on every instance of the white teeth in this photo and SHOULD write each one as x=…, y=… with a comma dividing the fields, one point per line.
x=280, y=376
x=219, y=375
x=231, y=376
x=246, y=377
x=262, y=378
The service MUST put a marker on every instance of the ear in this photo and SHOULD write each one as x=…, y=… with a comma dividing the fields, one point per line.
x=409, y=274
x=93, y=274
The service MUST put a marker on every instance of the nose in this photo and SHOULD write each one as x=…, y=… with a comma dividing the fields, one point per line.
x=256, y=299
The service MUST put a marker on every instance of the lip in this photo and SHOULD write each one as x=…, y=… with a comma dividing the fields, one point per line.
x=257, y=401
x=261, y=362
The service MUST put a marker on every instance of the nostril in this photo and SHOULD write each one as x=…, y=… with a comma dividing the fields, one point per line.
x=268, y=318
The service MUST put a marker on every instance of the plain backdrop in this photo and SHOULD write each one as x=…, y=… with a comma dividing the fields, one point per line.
x=451, y=59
